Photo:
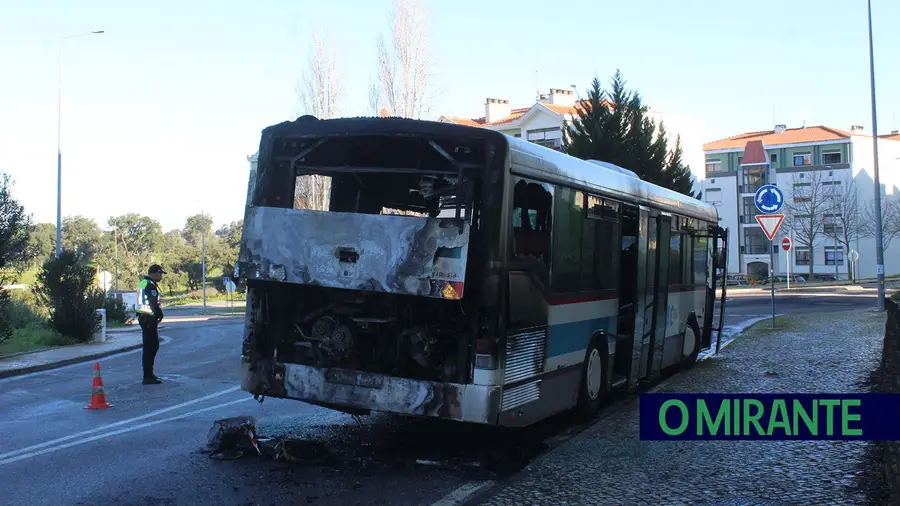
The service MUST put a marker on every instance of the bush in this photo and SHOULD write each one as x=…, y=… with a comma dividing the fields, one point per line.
x=116, y=311
x=65, y=286
x=18, y=309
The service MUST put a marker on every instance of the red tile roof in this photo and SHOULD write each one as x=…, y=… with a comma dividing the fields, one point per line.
x=754, y=154
x=890, y=137
x=771, y=138
x=515, y=114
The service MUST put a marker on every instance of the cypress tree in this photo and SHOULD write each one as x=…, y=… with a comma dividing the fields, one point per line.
x=613, y=126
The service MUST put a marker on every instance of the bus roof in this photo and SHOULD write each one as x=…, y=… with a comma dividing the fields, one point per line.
x=533, y=160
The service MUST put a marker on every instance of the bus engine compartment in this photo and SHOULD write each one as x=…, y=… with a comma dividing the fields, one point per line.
x=355, y=249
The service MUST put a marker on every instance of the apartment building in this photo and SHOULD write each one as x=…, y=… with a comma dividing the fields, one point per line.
x=541, y=122
x=809, y=164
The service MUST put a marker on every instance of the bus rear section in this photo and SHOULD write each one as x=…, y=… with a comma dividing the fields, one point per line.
x=359, y=246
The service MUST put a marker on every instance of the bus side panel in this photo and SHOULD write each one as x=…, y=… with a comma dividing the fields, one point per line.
x=568, y=333
x=683, y=300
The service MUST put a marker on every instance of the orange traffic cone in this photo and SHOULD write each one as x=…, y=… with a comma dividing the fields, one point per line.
x=98, y=398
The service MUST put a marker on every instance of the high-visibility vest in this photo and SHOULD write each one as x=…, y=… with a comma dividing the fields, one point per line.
x=143, y=304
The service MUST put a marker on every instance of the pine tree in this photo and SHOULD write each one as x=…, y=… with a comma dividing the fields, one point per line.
x=614, y=127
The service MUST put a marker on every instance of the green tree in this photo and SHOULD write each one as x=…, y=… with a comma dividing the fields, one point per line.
x=195, y=227
x=231, y=233
x=41, y=243
x=15, y=226
x=82, y=235
x=65, y=286
x=613, y=126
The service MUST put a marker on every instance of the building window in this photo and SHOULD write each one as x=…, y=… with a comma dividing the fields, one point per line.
x=753, y=179
x=773, y=158
x=800, y=191
x=829, y=157
x=713, y=166
x=835, y=184
x=834, y=255
x=750, y=210
x=755, y=241
x=801, y=159
x=801, y=256
x=714, y=195
x=831, y=224
x=740, y=160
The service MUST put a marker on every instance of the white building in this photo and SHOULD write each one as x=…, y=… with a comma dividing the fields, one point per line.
x=812, y=160
x=540, y=123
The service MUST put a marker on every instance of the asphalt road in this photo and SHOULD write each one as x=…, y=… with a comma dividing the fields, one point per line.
x=147, y=448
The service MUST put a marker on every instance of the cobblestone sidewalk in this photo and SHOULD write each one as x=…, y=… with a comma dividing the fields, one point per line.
x=608, y=464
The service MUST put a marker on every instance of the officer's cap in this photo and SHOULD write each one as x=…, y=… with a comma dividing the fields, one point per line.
x=156, y=268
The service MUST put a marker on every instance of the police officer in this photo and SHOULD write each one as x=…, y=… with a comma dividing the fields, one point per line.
x=149, y=315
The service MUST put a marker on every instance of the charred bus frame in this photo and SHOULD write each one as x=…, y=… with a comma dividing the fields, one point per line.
x=399, y=328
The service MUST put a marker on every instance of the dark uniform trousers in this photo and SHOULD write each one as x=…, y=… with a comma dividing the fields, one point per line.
x=150, y=333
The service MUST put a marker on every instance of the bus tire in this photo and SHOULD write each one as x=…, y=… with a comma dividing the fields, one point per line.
x=592, y=385
x=691, y=342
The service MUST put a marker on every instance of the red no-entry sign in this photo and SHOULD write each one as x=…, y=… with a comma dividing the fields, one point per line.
x=786, y=244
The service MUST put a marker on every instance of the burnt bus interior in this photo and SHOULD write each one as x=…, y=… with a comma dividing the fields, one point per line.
x=420, y=176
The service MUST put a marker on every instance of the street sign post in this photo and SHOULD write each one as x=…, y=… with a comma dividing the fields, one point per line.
x=770, y=223
x=786, y=246
x=854, y=257
x=230, y=288
x=105, y=279
x=769, y=200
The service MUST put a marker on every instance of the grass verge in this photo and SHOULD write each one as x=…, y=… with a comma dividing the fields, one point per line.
x=33, y=336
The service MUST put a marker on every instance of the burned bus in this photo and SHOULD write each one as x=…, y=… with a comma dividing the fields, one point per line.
x=439, y=270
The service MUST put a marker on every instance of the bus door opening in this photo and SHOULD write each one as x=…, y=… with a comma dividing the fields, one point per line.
x=629, y=281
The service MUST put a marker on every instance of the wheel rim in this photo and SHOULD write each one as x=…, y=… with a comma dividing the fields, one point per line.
x=690, y=340
x=594, y=376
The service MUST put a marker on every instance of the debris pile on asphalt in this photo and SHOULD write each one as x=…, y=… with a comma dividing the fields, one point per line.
x=473, y=453
x=232, y=438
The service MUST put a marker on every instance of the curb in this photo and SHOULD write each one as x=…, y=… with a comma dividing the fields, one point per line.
x=9, y=373
x=62, y=363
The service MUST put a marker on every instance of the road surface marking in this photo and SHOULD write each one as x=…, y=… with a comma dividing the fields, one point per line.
x=117, y=432
x=461, y=494
x=118, y=424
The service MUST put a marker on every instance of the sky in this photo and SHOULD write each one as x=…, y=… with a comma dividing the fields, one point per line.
x=160, y=112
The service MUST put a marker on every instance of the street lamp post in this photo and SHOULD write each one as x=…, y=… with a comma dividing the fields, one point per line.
x=58, y=148
x=879, y=244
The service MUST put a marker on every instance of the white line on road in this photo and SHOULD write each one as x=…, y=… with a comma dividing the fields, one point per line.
x=117, y=432
x=118, y=424
x=461, y=494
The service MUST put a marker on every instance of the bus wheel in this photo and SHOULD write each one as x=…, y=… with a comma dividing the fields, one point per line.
x=691, y=345
x=593, y=381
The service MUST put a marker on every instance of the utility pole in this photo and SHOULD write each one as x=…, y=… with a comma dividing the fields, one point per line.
x=879, y=242
x=116, y=240
x=58, y=138
x=203, y=254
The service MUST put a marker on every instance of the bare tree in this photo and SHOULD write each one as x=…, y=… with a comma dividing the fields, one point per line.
x=320, y=87
x=804, y=217
x=405, y=68
x=374, y=97
x=890, y=219
x=843, y=222
x=319, y=91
